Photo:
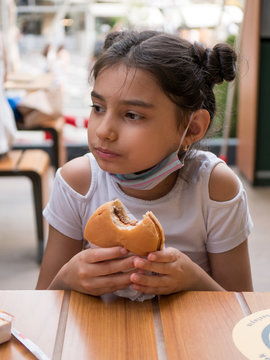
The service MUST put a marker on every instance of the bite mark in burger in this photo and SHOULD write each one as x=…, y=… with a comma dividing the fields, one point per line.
x=111, y=226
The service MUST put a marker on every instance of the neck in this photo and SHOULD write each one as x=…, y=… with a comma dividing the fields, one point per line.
x=157, y=192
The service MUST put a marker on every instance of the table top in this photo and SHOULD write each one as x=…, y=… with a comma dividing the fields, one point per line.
x=69, y=325
x=28, y=82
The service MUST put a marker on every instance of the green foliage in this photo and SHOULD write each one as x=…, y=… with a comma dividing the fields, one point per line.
x=221, y=98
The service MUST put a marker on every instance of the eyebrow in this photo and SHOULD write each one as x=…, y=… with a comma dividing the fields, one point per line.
x=135, y=102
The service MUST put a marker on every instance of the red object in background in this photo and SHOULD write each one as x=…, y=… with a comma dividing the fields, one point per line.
x=70, y=120
x=48, y=136
x=224, y=158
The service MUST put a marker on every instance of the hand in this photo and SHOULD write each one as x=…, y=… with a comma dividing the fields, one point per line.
x=175, y=272
x=96, y=271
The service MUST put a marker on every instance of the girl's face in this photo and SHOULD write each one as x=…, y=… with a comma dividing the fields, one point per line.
x=133, y=124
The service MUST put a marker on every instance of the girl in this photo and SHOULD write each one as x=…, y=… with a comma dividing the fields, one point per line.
x=152, y=100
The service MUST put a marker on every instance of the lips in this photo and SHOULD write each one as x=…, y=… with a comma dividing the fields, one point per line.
x=105, y=153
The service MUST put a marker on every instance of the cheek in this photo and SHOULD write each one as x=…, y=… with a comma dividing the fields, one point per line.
x=90, y=132
x=90, y=127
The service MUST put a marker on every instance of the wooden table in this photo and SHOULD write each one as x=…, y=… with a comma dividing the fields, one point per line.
x=28, y=82
x=186, y=326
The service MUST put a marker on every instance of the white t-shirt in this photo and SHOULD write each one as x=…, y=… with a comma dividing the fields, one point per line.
x=192, y=222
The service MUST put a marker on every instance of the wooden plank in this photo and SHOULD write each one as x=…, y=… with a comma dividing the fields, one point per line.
x=34, y=160
x=248, y=89
x=257, y=301
x=20, y=81
x=109, y=328
x=9, y=162
x=57, y=124
x=198, y=325
x=36, y=316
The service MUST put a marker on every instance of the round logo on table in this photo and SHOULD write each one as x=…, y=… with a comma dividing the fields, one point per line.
x=251, y=335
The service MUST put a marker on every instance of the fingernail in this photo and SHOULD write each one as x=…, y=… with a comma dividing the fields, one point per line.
x=152, y=257
x=133, y=277
x=123, y=251
x=138, y=261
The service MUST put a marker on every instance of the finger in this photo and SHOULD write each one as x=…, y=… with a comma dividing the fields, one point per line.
x=149, y=280
x=112, y=266
x=110, y=283
x=164, y=255
x=156, y=267
x=149, y=290
x=103, y=254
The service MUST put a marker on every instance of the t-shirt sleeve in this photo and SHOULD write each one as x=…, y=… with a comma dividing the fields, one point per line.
x=228, y=223
x=63, y=210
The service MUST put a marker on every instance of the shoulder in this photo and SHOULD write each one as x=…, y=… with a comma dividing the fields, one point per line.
x=223, y=184
x=77, y=173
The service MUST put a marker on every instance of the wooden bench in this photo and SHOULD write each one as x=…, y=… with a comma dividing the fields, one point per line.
x=55, y=129
x=33, y=164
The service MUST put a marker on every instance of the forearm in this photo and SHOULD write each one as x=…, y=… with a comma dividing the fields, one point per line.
x=232, y=268
x=58, y=253
x=52, y=283
x=59, y=281
x=177, y=272
x=203, y=281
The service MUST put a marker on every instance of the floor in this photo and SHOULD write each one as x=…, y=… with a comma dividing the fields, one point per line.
x=18, y=265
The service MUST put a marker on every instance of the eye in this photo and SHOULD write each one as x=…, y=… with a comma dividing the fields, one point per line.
x=97, y=108
x=133, y=116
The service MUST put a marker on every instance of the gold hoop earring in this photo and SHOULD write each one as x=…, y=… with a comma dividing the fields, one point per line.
x=185, y=148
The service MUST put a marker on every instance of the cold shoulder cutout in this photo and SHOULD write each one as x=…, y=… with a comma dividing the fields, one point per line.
x=223, y=184
x=77, y=174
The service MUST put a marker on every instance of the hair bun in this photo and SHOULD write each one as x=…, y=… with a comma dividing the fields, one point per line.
x=219, y=64
x=222, y=63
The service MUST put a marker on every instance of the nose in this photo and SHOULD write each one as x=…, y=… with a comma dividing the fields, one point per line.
x=106, y=130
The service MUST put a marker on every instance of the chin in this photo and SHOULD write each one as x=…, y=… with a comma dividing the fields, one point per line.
x=115, y=167
x=108, y=166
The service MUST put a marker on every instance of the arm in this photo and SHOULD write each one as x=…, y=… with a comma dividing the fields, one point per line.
x=59, y=250
x=66, y=266
x=230, y=270
x=91, y=271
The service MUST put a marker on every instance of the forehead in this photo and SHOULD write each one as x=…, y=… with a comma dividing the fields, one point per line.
x=123, y=81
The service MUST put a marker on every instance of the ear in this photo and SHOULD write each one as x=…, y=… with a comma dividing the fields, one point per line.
x=198, y=127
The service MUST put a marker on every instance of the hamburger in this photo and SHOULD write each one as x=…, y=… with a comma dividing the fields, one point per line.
x=111, y=226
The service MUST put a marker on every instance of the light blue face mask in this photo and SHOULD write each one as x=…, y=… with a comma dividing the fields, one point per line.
x=148, y=179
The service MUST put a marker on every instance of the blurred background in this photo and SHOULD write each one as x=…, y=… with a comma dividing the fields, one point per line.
x=62, y=38
x=65, y=36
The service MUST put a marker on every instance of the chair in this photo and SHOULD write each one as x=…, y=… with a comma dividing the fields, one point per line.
x=55, y=129
x=33, y=164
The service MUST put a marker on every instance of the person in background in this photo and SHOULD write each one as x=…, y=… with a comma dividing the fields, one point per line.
x=152, y=101
x=49, y=58
x=61, y=65
x=7, y=121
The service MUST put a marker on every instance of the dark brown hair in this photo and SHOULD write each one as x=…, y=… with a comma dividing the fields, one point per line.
x=186, y=72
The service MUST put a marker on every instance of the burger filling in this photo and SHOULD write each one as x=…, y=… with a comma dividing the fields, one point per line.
x=123, y=218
